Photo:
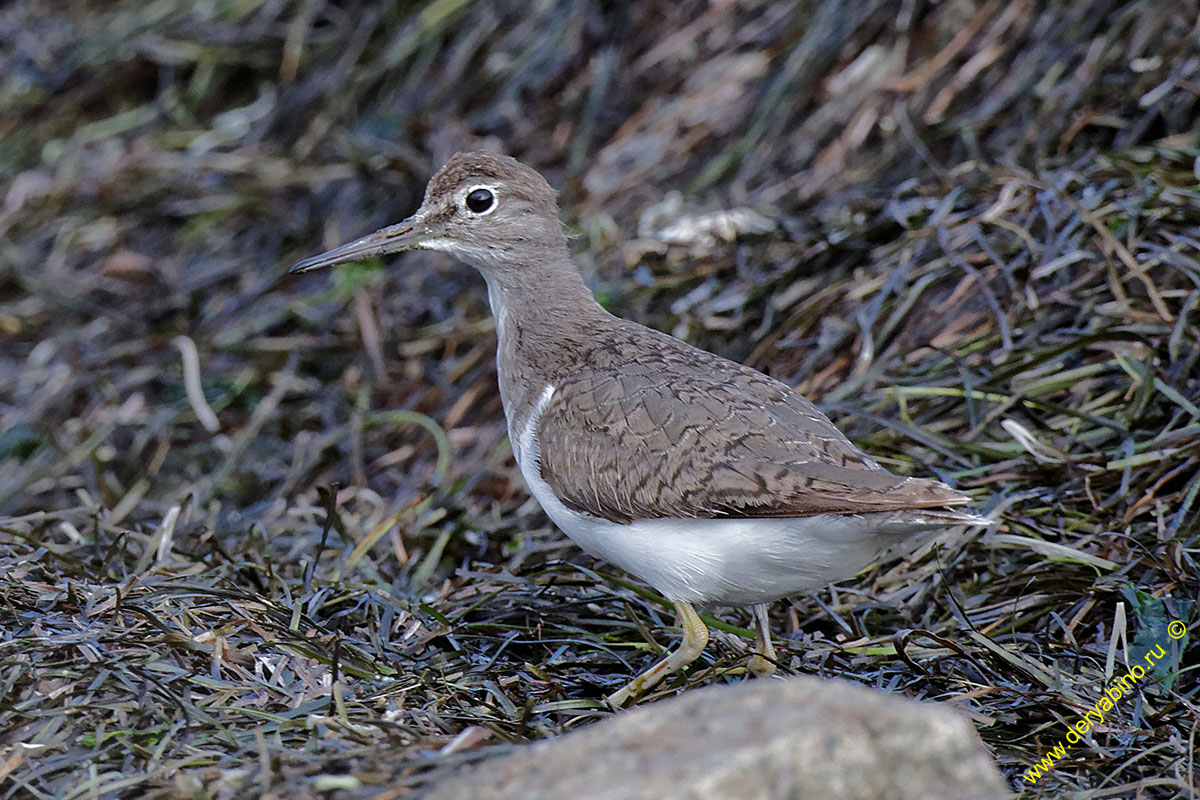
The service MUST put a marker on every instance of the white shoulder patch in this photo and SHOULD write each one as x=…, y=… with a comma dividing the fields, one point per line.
x=527, y=450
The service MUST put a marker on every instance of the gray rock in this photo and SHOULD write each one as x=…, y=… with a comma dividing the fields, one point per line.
x=763, y=740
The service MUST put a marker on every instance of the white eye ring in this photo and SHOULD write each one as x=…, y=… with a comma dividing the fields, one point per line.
x=480, y=200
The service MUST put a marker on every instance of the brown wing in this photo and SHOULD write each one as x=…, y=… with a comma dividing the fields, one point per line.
x=680, y=432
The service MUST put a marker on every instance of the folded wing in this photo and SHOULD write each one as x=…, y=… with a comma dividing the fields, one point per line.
x=688, y=434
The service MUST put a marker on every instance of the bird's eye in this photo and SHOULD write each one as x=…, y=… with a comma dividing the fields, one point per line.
x=480, y=200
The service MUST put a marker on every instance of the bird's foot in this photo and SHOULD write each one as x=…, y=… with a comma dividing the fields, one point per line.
x=695, y=638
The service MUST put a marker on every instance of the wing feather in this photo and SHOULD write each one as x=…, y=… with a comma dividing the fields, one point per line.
x=685, y=433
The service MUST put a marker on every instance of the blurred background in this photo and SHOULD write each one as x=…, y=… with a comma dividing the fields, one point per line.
x=228, y=497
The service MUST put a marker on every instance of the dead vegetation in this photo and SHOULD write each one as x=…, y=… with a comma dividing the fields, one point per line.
x=261, y=536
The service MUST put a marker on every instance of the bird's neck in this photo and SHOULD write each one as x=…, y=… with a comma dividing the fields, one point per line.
x=545, y=316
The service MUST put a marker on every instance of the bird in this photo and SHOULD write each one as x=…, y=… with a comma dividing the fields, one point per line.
x=703, y=477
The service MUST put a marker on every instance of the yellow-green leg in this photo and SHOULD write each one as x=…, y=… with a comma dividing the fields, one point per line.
x=762, y=663
x=695, y=638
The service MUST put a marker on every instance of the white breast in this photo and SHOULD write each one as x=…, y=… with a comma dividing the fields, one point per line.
x=730, y=561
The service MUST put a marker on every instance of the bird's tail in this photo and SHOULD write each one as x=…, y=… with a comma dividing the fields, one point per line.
x=903, y=523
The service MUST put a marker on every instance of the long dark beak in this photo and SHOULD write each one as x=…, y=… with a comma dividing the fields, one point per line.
x=406, y=235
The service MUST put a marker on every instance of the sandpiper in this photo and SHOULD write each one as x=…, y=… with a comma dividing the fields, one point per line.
x=703, y=477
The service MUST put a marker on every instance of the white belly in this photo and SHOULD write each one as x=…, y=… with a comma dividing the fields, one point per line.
x=730, y=561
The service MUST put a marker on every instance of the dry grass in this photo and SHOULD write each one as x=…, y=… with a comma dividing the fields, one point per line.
x=302, y=563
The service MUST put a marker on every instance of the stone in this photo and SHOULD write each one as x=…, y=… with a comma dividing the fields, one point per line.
x=801, y=737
